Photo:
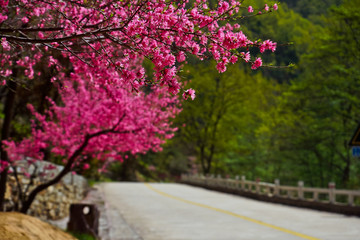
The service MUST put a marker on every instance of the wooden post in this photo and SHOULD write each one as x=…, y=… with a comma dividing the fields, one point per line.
x=300, y=190
x=332, y=197
x=277, y=187
x=84, y=218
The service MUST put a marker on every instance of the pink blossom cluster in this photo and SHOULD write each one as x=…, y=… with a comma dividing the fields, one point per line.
x=267, y=8
x=256, y=64
x=267, y=45
x=3, y=165
x=112, y=120
x=189, y=93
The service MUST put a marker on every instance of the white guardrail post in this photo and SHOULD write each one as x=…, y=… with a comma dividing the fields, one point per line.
x=218, y=180
x=237, y=181
x=332, y=196
x=300, y=190
x=257, y=186
x=351, y=200
x=243, y=179
x=316, y=196
x=276, y=188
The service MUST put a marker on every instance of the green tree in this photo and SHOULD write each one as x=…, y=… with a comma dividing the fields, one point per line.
x=309, y=8
x=319, y=113
x=226, y=105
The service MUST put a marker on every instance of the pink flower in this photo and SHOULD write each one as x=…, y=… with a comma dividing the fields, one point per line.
x=221, y=67
x=189, y=93
x=181, y=56
x=266, y=7
x=256, y=64
x=3, y=165
x=246, y=56
x=4, y=3
x=41, y=35
x=250, y=9
x=86, y=166
x=233, y=59
x=275, y=7
x=195, y=48
x=267, y=45
x=25, y=20
x=5, y=44
x=2, y=18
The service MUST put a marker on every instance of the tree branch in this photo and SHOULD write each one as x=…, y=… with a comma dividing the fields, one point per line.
x=25, y=207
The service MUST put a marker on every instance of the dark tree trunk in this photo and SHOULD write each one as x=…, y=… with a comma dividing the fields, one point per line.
x=203, y=160
x=346, y=173
x=128, y=168
x=5, y=134
x=27, y=203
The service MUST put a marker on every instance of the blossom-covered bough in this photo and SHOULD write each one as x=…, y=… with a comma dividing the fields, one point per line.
x=164, y=31
x=104, y=111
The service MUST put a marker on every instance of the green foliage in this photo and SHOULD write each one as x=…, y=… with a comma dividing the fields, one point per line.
x=225, y=110
x=294, y=128
x=82, y=236
x=309, y=8
x=317, y=115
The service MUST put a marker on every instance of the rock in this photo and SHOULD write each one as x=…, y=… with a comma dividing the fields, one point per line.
x=69, y=190
x=50, y=189
x=8, y=192
x=49, y=205
x=52, y=214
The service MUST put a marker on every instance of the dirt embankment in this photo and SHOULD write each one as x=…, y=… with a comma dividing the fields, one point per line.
x=17, y=226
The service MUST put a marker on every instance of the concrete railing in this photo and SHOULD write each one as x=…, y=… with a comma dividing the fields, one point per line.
x=329, y=195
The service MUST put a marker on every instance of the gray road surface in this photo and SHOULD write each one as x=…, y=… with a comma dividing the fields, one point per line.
x=162, y=211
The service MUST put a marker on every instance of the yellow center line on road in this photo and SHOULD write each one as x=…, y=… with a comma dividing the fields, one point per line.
x=233, y=214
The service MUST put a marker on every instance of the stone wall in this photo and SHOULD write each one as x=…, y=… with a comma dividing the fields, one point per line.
x=52, y=203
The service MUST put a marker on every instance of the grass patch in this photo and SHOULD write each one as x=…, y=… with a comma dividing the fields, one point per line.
x=82, y=236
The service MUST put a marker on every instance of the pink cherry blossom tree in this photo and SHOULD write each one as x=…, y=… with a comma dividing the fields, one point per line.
x=95, y=121
x=109, y=36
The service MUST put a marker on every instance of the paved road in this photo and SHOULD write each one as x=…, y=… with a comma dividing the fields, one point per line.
x=162, y=211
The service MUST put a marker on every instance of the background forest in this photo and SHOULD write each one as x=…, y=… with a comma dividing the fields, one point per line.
x=286, y=123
